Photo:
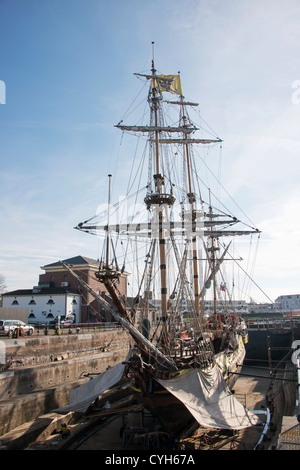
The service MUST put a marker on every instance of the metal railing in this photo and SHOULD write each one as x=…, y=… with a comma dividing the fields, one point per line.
x=272, y=323
x=72, y=328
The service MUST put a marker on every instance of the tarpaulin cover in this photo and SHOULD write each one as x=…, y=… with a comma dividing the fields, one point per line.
x=82, y=397
x=208, y=398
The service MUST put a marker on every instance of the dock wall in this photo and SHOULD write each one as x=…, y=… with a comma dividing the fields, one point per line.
x=41, y=370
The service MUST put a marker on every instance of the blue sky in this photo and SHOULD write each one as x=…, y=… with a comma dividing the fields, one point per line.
x=68, y=70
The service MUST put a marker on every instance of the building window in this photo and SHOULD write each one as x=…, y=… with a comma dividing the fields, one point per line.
x=31, y=315
x=32, y=302
x=51, y=302
x=74, y=302
x=15, y=302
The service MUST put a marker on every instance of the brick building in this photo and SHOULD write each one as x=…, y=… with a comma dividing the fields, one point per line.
x=56, y=275
x=59, y=293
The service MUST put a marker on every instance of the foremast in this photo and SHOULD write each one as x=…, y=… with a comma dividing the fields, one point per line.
x=158, y=200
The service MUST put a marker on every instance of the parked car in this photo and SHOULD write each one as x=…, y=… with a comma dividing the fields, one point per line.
x=63, y=320
x=7, y=327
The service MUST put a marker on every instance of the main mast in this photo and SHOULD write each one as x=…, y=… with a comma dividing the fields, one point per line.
x=157, y=201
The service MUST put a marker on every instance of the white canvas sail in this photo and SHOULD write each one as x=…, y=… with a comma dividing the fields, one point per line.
x=82, y=397
x=208, y=398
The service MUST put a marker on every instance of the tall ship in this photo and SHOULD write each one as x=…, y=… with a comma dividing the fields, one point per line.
x=170, y=239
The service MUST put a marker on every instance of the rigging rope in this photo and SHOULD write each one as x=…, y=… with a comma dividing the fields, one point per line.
x=252, y=223
x=276, y=306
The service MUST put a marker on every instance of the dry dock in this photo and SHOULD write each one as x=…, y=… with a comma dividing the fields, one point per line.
x=40, y=370
x=43, y=369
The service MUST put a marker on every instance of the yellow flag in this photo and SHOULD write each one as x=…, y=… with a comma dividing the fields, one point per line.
x=170, y=83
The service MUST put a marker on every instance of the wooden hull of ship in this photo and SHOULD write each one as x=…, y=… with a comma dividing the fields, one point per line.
x=172, y=414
